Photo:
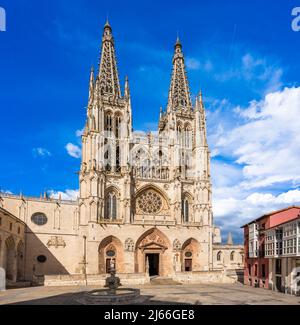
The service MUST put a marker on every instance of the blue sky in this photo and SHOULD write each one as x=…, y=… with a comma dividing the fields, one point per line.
x=242, y=54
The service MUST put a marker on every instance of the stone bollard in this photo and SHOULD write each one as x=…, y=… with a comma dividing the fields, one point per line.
x=2, y=279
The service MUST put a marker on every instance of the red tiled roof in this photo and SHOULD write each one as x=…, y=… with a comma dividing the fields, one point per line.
x=286, y=214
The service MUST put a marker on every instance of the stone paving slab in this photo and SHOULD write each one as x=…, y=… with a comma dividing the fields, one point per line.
x=196, y=294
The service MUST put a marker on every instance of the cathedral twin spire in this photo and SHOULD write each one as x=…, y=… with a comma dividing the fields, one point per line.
x=108, y=78
x=108, y=71
x=179, y=93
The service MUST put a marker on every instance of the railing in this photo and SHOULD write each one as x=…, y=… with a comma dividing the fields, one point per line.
x=154, y=173
x=111, y=221
x=47, y=199
x=154, y=222
x=192, y=224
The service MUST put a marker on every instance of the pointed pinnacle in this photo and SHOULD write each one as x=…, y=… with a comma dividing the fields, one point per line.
x=201, y=96
x=107, y=25
x=107, y=22
x=178, y=43
x=92, y=74
x=229, y=239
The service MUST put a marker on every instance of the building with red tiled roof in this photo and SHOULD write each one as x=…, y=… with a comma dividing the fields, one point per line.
x=272, y=251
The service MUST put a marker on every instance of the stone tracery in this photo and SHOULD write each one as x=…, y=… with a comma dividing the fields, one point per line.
x=150, y=202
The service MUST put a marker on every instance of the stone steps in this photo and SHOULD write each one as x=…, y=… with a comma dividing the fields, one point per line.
x=18, y=285
x=163, y=281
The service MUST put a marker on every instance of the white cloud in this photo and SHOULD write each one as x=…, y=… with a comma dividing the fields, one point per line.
x=290, y=197
x=257, y=71
x=67, y=195
x=195, y=64
x=268, y=143
x=79, y=133
x=73, y=150
x=233, y=211
x=192, y=64
x=41, y=152
x=5, y=192
x=261, y=148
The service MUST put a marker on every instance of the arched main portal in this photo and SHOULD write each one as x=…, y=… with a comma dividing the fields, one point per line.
x=152, y=254
x=10, y=259
x=111, y=250
x=189, y=254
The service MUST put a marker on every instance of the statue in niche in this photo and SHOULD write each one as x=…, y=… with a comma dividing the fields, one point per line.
x=176, y=245
x=129, y=245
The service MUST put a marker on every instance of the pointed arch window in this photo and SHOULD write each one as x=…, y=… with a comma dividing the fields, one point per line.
x=118, y=157
x=118, y=127
x=219, y=256
x=232, y=256
x=188, y=137
x=107, y=158
x=185, y=210
x=111, y=206
x=114, y=207
x=108, y=123
x=179, y=135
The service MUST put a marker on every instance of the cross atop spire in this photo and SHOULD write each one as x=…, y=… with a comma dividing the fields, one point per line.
x=179, y=94
x=108, y=70
x=178, y=43
x=107, y=23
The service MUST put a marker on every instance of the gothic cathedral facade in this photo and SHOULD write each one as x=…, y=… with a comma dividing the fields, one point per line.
x=145, y=200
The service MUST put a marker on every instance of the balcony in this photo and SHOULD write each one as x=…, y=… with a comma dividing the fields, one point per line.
x=154, y=173
x=111, y=221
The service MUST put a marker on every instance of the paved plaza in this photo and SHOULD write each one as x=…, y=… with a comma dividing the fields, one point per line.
x=200, y=294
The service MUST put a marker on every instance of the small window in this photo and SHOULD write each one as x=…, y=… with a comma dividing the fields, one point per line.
x=19, y=230
x=255, y=270
x=111, y=206
x=232, y=256
x=41, y=258
x=39, y=219
x=188, y=254
x=185, y=210
x=111, y=253
x=263, y=270
x=219, y=256
x=10, y=226
x=0, y=221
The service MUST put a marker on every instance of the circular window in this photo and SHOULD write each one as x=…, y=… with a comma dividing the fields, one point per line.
x=41, y=258
x=188, y=254
x=110, y=253
x=39, y=219
x=150, y=202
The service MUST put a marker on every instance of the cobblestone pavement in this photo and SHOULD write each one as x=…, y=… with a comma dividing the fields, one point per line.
x=199, y=294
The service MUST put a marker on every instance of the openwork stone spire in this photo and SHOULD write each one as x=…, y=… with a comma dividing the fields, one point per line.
x=179, y=94
x=108, y=70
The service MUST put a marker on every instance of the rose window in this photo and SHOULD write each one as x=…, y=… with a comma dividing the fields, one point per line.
x=150, y=202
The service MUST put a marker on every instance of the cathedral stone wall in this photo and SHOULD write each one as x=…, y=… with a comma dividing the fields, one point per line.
x=56, y=238
x=12, y=246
